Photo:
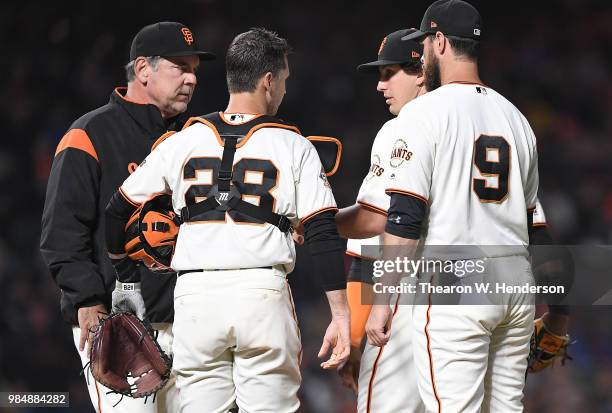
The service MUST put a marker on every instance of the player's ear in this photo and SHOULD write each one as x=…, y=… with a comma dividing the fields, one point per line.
x=440, y=43
x=267, y=81
x=420, y=78
x=142, y=69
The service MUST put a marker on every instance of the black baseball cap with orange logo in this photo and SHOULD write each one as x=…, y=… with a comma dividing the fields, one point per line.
x=451, y=17
x=166, y=39
x=394, y=51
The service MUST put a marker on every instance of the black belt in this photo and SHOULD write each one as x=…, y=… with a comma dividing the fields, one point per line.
x=224, y=269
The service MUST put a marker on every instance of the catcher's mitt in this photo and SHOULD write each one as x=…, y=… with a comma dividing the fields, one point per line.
x=546, y=347
x=125, y=347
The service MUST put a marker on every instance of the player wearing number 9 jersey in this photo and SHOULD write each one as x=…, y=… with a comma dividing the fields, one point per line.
x=239, y=179
x=464, y=172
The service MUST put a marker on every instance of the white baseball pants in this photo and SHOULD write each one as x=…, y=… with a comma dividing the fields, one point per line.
x=236, y=338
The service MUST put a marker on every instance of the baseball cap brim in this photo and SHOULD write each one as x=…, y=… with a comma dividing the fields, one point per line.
x=373, y=66
x=416, y=35
x=203, y=55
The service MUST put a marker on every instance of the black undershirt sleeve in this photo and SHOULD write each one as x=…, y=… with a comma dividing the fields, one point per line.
x=405, y=216
x=117, y=214
x=326, y=249
x=550, y=253
x=361, y=270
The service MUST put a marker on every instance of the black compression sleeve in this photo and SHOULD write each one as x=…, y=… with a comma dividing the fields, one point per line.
x=560, y=272
x=406, y=214
x=326, y=249
x=117, y=214
x=361, y=270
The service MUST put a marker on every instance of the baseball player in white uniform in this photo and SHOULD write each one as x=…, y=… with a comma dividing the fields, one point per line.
x=400, y=81
x=469, y=177
x=240, y=180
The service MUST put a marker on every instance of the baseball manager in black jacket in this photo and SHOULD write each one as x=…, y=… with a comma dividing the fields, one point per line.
x=94, y=157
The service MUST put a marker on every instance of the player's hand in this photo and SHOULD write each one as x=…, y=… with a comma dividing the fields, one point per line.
x=128, y=298
x=298, y=234
x=349, y=373
x=378, y=326
x=337, y=338
x=557, y=323
x=88, y=318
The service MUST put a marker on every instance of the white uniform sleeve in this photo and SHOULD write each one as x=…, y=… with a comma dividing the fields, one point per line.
x=372, y=191
x=539, y=218
x=531, y=187
x=411, y=160
x=148, y=179
x=313, y=192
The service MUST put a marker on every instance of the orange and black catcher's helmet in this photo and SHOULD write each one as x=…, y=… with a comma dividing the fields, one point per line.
x=151, y=233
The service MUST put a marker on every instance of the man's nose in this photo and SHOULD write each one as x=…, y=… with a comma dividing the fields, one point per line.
x=191, y=79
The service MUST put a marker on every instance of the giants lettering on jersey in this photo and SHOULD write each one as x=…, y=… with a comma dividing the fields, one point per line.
x=375, y=168
x=399, y=153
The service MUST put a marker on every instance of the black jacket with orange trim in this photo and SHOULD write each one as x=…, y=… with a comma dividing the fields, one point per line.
x=92, y=160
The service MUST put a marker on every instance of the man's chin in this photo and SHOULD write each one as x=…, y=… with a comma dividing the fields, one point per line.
x=180, y=107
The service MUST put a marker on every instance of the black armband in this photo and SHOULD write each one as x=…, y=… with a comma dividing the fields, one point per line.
x=361, y=270
x=326, y=249
x=406, y=214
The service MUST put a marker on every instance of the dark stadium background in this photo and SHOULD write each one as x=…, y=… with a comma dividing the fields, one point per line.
x=62, y=59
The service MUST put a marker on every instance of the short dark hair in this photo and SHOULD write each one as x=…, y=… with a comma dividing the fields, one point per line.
x=465, y=47
x=251, y=55
x=462, y=46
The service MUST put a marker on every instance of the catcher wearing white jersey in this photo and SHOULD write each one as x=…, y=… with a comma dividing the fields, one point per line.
x=400, y=81
x=471, y=179
x=241, y=180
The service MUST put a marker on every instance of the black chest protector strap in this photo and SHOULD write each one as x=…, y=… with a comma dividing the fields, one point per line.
x=224, y=196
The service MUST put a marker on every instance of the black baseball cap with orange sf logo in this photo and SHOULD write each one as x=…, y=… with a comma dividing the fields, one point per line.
x=451, y=17
x=393, y=50
x=166, y=39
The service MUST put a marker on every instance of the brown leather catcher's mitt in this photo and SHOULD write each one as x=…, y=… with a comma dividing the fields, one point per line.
x=125, y=347
x=546, y=347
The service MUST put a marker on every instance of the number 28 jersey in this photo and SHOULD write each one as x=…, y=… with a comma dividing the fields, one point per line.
x=471, y=156
x=274, y=167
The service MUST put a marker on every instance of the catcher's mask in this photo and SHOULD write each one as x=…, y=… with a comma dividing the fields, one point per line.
x=151, y=233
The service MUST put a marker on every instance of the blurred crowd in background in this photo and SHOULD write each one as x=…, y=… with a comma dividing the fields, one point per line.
x=62, y=59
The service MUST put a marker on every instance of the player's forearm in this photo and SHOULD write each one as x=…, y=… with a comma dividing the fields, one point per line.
x=556, y=323
x=393, y=247
x=357, y=222
x=338, y=303
x=401, y=238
